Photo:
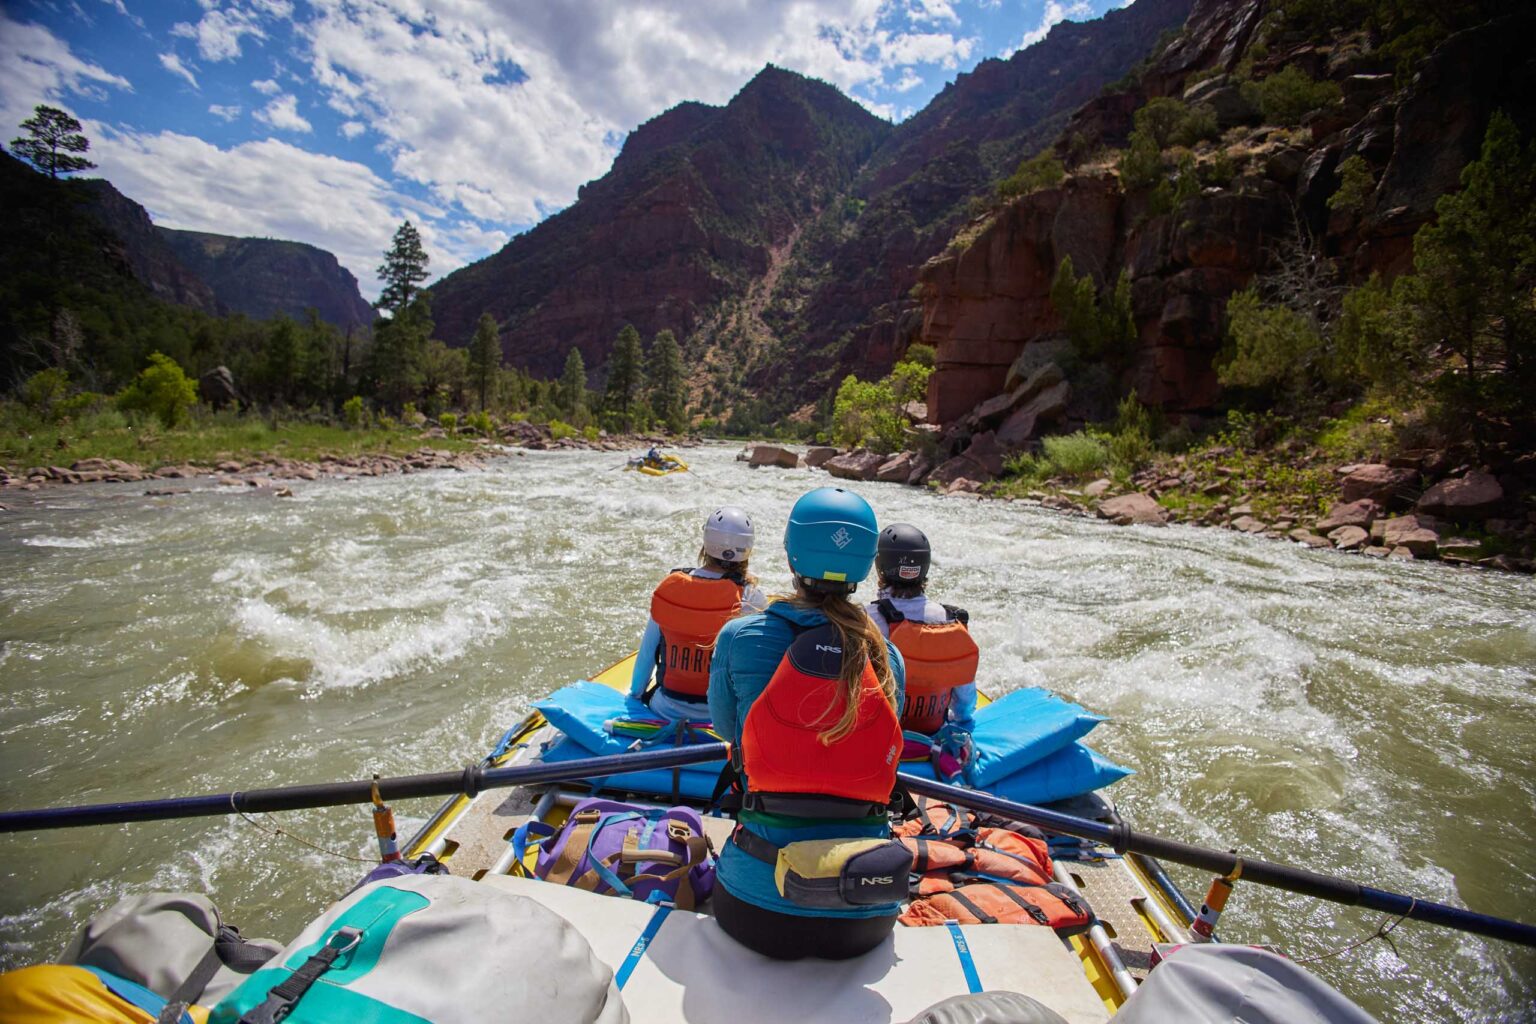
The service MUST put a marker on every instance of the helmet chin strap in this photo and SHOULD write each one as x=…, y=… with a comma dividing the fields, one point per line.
x=827, y=586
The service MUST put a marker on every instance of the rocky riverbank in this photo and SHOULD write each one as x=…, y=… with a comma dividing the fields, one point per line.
x=271, y=473
x=1416, y=506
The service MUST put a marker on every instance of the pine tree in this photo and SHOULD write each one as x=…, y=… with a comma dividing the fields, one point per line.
x=572, y=395
x=53, y=137
x=626, y=375
x=485, y=358
x=404, y=267
x=668, y=399
x=1475, y=274
x=398, y=347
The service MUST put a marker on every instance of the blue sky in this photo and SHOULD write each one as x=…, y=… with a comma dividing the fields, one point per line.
x=331, y=121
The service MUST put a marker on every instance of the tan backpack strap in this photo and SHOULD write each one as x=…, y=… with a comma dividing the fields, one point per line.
x=575, y=849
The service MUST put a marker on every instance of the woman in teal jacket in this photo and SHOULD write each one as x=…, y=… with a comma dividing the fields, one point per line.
x=830, y=541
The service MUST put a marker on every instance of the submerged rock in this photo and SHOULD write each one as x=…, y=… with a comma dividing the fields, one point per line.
x=771, y=455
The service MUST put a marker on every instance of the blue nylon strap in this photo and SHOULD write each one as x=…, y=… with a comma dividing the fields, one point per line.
x=637, y=951
x=963, y=950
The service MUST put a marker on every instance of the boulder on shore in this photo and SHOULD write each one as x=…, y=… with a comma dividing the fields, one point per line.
x=1360, y=513
x=896, y=469
x=862, y=464
x=1475, y=496
x=1385, y=485
x=772, y=455
x=1133, y=510
x=1310, y=539
x=1044, y=407
x=981, y=461
x=1412, y=533
x=1348, y=538
x=819, y=456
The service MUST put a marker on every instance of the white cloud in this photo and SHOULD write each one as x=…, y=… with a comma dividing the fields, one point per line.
x=39, y=68
x=932, y=11
x=219, y=31
x=909, y=80
x=438, y=84
x=122, y=9
x=173, y=64
x=227, y=113
x=283, y=114
x=1054, y=13
x=274, y=189
x=352, y=129
x=266, y=86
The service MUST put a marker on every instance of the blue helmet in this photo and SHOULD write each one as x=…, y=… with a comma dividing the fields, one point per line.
x=831, y=536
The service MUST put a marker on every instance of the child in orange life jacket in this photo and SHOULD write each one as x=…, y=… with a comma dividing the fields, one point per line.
x=687, y=611
x=807, y=693
x=938, y=650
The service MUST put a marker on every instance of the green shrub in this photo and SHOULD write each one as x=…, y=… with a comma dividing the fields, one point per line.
x=161, y=389
x=388, y=423
x=1289, y=94
x=45, y=391
x=590, y=432
x=1274, y=348
x=1198, y=124
x=1098, y=329
x=864, y=414
x=449, y=421
x=1041, y=171
x=1141, y=165
x=1159, y=118
x=560, y=430
x=353, y=413
x=1355, y=185
x=1219, y=170
x=919, y=353
x=480, y=423
x=1078, y=455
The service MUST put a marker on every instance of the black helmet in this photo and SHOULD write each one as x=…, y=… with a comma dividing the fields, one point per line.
x=902, y=556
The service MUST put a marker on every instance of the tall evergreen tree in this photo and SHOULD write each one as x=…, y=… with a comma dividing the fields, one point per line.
x=404, y=267
x=485, y=358
x=572, y=395
x=398, y=346
x=668, y=399
x=52, y=140
x=282, y=360
x=626, y=375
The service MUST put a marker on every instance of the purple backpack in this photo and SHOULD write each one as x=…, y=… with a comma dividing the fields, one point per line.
x=645, y=853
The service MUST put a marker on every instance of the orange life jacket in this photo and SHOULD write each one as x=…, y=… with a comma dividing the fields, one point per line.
x=940, y=658
x=690, y=611
x=1053, y=905
x=998, y=853
x=782, y=753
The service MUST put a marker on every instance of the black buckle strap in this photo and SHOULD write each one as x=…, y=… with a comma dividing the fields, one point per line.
x=280, y=1000
x=754, y=845
x=1040, y=916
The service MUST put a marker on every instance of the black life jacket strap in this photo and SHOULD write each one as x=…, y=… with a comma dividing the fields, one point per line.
x=976, y=912
x=280, y=1000
x=811, y=805
x=754, y=845
x=957, y=614
x=1029, y=908
x=888, y=611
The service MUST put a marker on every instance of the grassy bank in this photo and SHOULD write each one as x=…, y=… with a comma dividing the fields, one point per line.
x=206, y=442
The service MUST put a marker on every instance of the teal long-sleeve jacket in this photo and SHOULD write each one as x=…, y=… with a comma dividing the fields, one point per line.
x=747, y=652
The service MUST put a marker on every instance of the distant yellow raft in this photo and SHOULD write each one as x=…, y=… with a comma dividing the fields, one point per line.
x=670, y=464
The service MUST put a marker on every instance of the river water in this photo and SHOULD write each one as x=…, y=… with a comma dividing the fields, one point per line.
x=1367, y=719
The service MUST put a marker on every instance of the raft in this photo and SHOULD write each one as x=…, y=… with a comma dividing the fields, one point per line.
x=671, y=464
x=681, y=973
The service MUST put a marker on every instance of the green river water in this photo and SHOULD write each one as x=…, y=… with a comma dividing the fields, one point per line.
x=1367, y=719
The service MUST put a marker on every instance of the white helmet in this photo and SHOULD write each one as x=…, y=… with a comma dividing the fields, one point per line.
x=728, y=534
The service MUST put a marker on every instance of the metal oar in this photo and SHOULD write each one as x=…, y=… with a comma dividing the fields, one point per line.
x=469, y=781
x=1123, y=839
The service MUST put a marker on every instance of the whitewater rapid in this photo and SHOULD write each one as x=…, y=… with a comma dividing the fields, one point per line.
x=1358, y=717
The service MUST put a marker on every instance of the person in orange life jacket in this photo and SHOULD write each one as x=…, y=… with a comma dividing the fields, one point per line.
x=687, y=610
x=806, y=692
x=935, y=642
